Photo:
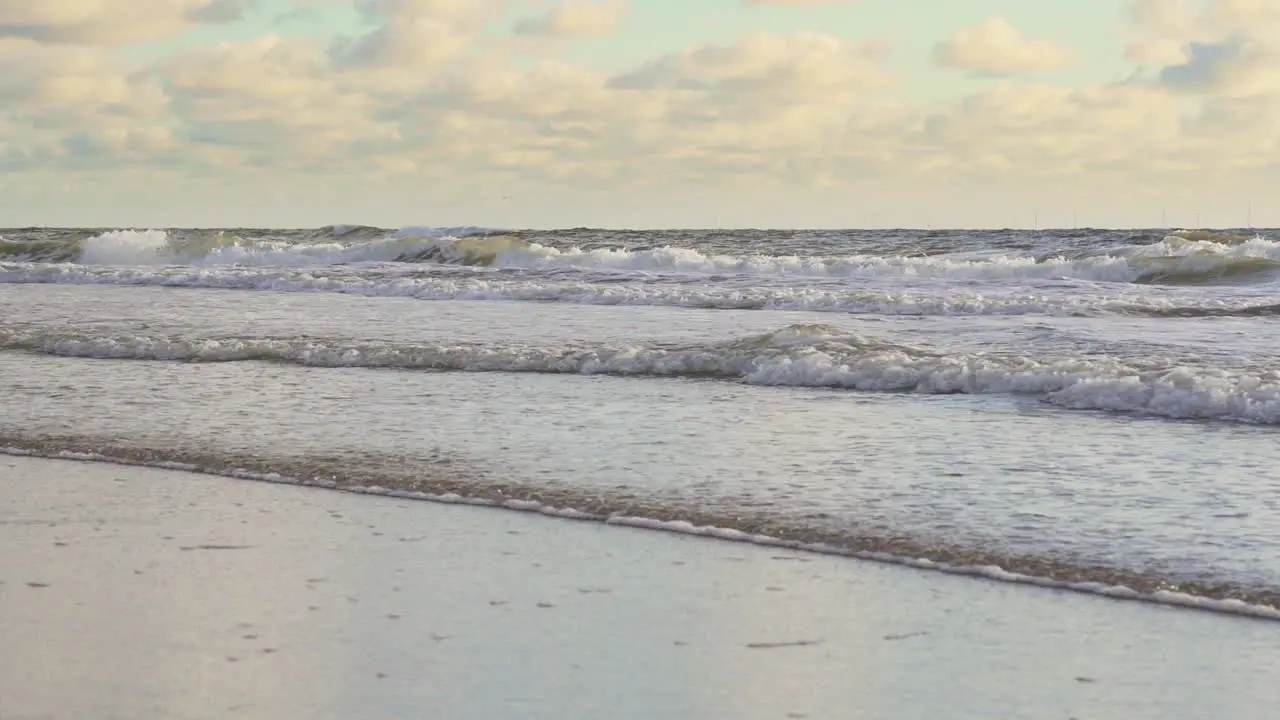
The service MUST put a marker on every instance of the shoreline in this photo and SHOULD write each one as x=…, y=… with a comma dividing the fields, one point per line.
x=140, y=592
x=990, y=573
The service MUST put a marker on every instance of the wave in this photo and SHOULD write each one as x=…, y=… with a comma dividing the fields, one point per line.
x=816, y=356
x=1201, y=268
x=483, y=251
x=1210, y=236
x=1174, y=260
x=157, y=247
x=440, y=480
x=330, y=245
x=1189, y=258
x=472, y=284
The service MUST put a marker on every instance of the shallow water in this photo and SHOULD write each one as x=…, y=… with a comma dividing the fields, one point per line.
x=980, y=409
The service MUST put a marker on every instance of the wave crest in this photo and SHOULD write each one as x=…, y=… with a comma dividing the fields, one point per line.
x=483, y=251
x=1210, y=236
x=1181, y=258
x=818, y=356
x=158, y=247
x=446, y=282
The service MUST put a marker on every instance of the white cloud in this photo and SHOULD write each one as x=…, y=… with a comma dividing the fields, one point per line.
x=796, y=3
x=575, y=18
x=414, y=32
x=37, y=80
x=427, y=90
x=765, y=69
x=1235, y=67
x=273, y=99
x=996, y=48
x=1228, y=48
x=1039, y=130
x=453, y=12
x=110, y=22
x=75, y=105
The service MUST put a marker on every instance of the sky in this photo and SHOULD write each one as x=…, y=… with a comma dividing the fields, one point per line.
x=640, y=113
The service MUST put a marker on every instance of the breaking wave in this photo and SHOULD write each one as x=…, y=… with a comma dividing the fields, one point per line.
x=1184, y=258
x=334, y=244
x=817, y=356
x=157, y=247
x=1210, y=236
x=452, y=282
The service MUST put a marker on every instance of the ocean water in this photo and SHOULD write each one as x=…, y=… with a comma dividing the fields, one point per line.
x=1090, y=410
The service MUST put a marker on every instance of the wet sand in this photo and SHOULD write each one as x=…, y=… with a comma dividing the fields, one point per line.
x=138, y=593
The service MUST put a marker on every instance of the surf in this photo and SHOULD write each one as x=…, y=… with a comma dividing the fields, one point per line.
x=427, y=483
x=798, y=356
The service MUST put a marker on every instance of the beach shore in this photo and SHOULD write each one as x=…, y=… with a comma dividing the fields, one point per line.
x=132, y=592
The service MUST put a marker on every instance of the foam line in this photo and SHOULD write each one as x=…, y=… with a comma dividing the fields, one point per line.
x=993, y=573
x=1187, y=259
x=796, y=356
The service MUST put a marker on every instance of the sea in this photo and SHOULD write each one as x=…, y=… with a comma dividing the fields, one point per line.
x=1085, y=410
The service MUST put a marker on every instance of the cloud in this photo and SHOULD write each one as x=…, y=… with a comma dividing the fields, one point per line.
x=102, y=22
x=426, y=90
x=1228, y=48
x=220, y=11
x=412, y=41
x=796, y=3
x=36, y=79
x=453, y=12
x=1028, y=130
x=1235, y=67
x=575, y=18
x=276, y=100
x=803, y=66
x=749, y=107
x=60, y=105
x=996, y=48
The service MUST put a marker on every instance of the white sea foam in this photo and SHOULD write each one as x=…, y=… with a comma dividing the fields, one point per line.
x=986, y=572
x=125, y=248
x=480, y=285
x=800, y=356
x=1175, y=260
x=458, y=231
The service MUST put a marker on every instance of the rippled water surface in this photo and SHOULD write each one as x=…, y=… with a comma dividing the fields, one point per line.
x=1088, y=406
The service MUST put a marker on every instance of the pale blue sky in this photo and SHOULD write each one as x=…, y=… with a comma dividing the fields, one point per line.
x=308, y=112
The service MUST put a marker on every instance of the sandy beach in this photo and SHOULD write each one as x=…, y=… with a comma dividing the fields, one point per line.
x=134, y=593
